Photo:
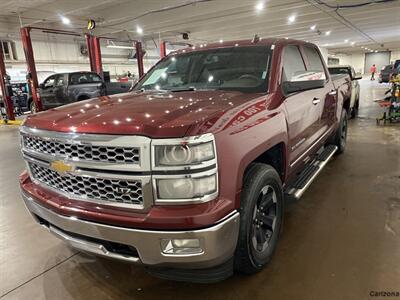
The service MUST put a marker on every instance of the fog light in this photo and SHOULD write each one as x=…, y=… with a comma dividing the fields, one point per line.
x=181, y=246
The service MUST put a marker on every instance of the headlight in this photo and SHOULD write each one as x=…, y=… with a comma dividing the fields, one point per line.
x=185, y=170
x=184, y=154
x=186, y=188
x=178, y=153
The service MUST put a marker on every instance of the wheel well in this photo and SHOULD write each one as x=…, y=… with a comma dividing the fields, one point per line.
x=82, y=97
x=273, y=157
x=346, y=105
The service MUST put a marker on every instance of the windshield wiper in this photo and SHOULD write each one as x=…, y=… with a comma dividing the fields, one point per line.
x=188, y=89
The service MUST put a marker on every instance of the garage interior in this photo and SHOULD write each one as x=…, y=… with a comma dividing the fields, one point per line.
x=339, y=241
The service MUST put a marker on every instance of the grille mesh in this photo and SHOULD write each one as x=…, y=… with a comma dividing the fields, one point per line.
x=91, y=188
x=83, y=152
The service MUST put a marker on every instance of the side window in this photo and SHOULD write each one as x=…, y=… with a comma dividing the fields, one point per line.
x=93, y=78
x=316, y=67
x=60, y=80
x=82, y=78
x=49, y=82
x=293, y=65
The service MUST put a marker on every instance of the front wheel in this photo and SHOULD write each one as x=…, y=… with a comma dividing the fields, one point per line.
x=261, y=218
x=33, y=107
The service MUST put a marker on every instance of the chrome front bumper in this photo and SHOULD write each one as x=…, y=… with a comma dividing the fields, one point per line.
x=218, y=241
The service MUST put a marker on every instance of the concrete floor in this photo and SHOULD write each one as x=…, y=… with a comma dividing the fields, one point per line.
x=341, y=241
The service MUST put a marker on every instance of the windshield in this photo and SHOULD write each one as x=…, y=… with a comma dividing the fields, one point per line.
x=244, y=69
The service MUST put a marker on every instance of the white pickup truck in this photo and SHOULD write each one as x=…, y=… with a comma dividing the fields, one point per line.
x=355, y=86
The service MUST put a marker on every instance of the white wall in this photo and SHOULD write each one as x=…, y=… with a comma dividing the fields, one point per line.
x=395, y=55
x=65, y=56
x=356, y=60
x=324, y=53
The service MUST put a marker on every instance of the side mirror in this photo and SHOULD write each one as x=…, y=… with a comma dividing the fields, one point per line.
x=290, y=87
x=357, y=77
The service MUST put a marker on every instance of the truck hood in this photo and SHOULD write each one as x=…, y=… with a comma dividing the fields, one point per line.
x=153, y=114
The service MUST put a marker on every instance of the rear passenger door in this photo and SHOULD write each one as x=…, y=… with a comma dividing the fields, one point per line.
x=303, y=108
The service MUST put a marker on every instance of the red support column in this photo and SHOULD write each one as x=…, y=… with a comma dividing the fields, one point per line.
x=30, y=61
x=89, y=46
x=139, y=57
x=97, y=56
x=4, y=89
x=163, y=49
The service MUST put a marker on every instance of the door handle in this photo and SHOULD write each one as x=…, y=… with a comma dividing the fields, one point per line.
x=316, y=100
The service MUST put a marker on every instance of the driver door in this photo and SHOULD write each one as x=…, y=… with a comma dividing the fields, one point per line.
x=47, y=93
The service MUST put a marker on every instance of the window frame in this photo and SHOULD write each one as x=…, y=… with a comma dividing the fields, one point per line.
x=47, y=79
x=283, y=59
x=305, y=58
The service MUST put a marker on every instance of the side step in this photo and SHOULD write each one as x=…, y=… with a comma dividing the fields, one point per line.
x=310, y=172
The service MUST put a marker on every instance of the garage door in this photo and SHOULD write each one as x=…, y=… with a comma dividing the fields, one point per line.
x=380, y=59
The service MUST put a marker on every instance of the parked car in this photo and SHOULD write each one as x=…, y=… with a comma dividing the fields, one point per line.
x=188, y=173
x=65, y=88
x=386, y=73
x=355, y=86
x=19, y=96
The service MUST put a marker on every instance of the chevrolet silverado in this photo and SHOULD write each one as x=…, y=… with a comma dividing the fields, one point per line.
x=188, y=173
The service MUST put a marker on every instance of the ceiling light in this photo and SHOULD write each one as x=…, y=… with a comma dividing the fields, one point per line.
x=346, y=41
x=291, y=19
x=286, y=38
x=313, y=27
x=139, y=30
x=65, y=20
x=260, y=6
x=119, y=46
x=327, y=33
x=376, y=51
x=221, y=41
x=353, y=43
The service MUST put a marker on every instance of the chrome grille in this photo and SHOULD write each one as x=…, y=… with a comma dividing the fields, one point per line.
x=90, y=188
x=86, y=152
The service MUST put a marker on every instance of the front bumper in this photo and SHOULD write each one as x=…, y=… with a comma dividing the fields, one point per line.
x=218, y=242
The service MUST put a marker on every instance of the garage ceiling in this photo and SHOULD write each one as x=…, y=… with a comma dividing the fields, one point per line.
x=211, y=20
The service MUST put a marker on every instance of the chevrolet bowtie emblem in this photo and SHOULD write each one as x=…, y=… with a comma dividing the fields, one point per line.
x=61, y=167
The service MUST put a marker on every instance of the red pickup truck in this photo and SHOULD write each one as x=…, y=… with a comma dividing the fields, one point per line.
x=187, y=174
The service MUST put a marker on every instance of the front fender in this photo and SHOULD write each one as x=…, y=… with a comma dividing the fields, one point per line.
x=238, y=147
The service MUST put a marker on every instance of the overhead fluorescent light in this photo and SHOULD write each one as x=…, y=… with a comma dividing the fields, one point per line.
x=119, y=47
x=353, y=43
x=313, y=27
x=65, y=20
x=346, y=40
x=327, y=33
x=139, y=30
x=291, y=19
x=259, y=6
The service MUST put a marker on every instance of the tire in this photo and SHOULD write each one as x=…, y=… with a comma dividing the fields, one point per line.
x=32, y=107
x=354, y=110
x=339, y=138
x=261, y=218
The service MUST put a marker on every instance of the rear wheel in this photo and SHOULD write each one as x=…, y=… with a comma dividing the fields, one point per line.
x=354, y=110
x=261, y=217
x=339, y=139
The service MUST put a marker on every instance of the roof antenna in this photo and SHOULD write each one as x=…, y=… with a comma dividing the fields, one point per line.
x=255, y=39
